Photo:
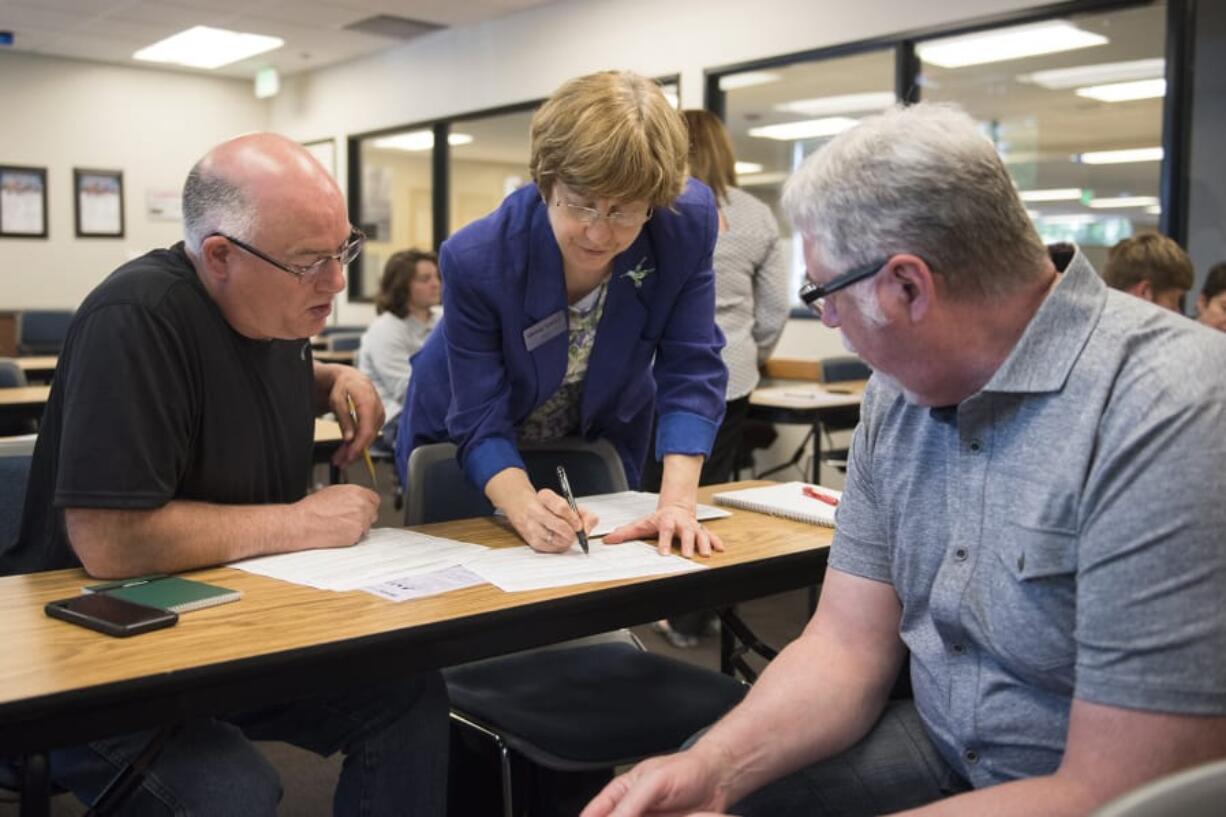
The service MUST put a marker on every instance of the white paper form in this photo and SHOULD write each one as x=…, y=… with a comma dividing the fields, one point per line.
x=615, y=510
x=521, y=568
x=427, y=584
x=383, y=554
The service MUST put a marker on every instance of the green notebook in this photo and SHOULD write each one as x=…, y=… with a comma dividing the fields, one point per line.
x=167, y=592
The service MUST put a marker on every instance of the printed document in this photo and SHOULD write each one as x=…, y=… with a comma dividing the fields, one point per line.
x=521, y=568
x=382, y=555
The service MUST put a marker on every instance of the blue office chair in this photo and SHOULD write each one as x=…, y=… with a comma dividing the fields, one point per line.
x=25, y=780
x=561, y=718
x=42, y=331
x=341, y=329
x=11, y=376
x=843, y=368
x=344, y=341
x=1196, y=792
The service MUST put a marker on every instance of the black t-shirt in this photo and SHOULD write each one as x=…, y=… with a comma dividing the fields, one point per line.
x=155, y=398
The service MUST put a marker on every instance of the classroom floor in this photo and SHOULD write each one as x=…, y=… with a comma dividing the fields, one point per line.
x=308, y=780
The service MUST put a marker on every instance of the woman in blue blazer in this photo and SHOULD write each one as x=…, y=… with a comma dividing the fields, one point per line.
x=582, y=304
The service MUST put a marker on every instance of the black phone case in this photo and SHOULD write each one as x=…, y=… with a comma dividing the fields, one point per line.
x=157, y=620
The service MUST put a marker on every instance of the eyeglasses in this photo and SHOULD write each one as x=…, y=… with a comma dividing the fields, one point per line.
x=348, y=251
x=618, y=219
x=814, y=296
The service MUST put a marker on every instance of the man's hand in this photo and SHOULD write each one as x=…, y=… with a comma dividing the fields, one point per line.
x=667, y=522
x=336, y=516
x=343, y=384
x=677, y=784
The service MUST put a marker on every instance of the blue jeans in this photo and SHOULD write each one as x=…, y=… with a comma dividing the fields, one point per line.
x=394, y=737
x=893, y=768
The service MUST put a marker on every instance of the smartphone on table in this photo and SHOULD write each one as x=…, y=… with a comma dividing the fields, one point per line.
x=110, y=615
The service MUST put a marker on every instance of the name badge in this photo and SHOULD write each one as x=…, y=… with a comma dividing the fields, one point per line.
x=545, y=331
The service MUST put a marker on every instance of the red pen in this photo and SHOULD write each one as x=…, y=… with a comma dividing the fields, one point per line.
x=812, y=494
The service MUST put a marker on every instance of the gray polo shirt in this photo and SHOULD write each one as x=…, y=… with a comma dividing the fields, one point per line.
x=1060, y=534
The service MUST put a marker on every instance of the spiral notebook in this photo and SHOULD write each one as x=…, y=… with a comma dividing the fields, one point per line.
x=788, y=500
x=167, y=592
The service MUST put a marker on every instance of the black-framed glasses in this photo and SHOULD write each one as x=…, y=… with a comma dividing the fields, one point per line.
x=618, y=219
x=348, y=251
x=814, y=296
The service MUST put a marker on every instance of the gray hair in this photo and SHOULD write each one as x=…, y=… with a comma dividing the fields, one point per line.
x=922, y=180
x=213, y=204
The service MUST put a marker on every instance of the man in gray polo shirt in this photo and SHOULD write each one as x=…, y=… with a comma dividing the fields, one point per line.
x=1032, y=512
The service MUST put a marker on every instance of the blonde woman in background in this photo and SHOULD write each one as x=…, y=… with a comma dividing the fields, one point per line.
x=751, y=307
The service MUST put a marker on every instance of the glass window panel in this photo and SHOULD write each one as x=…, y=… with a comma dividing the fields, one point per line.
x=778, y=116
x=396, y=212
x=489, y=160
x=1046, y=112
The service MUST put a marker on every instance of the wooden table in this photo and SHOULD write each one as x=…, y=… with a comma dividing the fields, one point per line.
x=26, y=402
x=61, y=684
x=811, y=404
x=346, y=357
x=37, y=367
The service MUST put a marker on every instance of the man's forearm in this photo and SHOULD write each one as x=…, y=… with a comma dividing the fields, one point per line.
x=817, y=698
x=325, y=377
x=181, y=535
x=1050, y=795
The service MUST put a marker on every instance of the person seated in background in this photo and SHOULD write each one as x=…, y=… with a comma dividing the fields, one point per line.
x=1032, y=521
x=1211, y=304
x=409, y=293
x=751, y=307
x=1150, y=266
x=580, y=306
x=179, y=435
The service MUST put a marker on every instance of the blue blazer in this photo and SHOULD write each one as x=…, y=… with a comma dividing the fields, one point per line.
x=475, y=381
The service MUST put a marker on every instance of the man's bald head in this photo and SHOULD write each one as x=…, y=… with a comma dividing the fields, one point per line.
x=243, y=178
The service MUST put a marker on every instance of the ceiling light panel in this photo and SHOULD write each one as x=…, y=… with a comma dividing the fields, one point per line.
x=1060, y=79
x=1051, y=194
x=804, y=129
x=1119, y=157
x=844, y=103
x=418, y=140
x=206, y=47
x=747, y=79
x=1119, y=202
x=742, y=168
x=1125, y=91
x=1013, y=43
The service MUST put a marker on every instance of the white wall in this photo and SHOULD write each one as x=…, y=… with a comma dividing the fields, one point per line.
x=527, y=55
x=152, y=125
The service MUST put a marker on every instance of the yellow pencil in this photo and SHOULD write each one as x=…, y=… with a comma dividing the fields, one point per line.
x=370, y=464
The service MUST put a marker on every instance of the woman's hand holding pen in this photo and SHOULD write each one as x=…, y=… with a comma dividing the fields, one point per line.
x=543, y=519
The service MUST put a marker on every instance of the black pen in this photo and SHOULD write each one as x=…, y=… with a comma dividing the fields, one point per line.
x=570, y=497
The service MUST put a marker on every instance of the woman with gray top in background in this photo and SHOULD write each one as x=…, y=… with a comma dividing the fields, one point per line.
x=751, y=307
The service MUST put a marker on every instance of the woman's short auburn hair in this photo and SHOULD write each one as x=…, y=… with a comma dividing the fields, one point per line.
x=610, y=135
x=398, y=273
x=712, y=161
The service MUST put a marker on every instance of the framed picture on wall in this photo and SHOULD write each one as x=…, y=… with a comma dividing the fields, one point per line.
x=23, y=202
x=98, y=199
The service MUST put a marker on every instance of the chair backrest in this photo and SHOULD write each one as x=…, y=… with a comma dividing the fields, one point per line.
x=1197, y=792
x=42, y=331
x=11, y=375
x=844, y=367
x=438, y=491
x=14, y=471
x=344, y=342
x=341, y=329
